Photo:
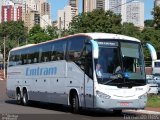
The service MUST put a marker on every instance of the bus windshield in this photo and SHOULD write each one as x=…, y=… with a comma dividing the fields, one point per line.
x=120, y=63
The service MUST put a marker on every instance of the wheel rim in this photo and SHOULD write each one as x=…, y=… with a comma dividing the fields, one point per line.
x=24, y=99
x=18, y=97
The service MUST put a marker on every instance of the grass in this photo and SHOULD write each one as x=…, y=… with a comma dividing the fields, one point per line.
x=153, y=101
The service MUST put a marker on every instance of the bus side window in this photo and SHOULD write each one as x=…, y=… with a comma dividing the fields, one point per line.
x=59, y=50
x=88, y=61
x=18, y=58
x=11, y=59
x=75, y=46
x=46, y=53
x=52, y=53
x=85, y=61
x=24, y=57
x=29, y=58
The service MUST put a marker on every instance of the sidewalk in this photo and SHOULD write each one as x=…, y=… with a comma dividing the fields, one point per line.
x=146, y=112
x=153, y=109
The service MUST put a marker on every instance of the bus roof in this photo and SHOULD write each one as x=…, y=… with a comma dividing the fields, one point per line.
x=21, y=47
x=110, y=36
x=91, y=35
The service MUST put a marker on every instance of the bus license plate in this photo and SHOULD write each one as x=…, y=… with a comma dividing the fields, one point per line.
x=124, y=104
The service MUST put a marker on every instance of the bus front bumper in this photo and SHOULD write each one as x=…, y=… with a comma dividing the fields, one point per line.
x=111, y=104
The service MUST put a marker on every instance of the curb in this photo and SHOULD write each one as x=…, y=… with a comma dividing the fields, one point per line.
x=142, y=112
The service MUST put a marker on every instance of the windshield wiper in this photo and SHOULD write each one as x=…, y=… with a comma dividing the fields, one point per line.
x=114, y=77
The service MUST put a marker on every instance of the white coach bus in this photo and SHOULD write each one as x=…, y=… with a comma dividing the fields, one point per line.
x=86, y=70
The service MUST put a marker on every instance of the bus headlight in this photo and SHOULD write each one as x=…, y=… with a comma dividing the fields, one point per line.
x=102, y=95
x=144, y=96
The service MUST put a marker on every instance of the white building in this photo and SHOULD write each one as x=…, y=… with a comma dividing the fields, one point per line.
x=74, y=4
x=65, y=17
x=132, y=12
x=157, y=3
x=45, y=14
x=45, y=21
x=135, y=13
x=117, y=6
x=34, y=8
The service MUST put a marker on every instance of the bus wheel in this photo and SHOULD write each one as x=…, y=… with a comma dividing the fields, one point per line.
x=18, y=98
x=25, y=98
x=117, y=112
x=75, y=104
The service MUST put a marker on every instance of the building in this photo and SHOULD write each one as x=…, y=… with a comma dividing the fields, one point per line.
x=45, y=21
x=74, y=4
x=157, y=3
x=100, y=4
x=117, y=6
x=135, y=13
x=32, y=18
x=11, y=12
x=1, y=3
x=89, y=5
x=45, y=8
x=45, y=15
x=65, y=17
x=36, y=12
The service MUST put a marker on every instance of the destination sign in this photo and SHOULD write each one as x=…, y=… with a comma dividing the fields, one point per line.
x=108, y=43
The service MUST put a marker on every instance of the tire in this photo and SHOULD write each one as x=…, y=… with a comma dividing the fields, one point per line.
x=18, y=98
x=117, y=112
x=25, y=98
x=75, y=104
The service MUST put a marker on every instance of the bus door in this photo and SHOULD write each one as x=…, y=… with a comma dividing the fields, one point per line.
x=88, y=78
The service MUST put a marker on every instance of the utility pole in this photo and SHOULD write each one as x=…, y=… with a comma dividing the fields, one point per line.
x=60, y=27
x=4, y=57
x=64, y=20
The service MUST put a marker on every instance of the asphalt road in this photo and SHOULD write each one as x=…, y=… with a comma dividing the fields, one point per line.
x=9, y=110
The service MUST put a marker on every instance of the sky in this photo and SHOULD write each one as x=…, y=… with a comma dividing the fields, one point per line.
x=60, y=4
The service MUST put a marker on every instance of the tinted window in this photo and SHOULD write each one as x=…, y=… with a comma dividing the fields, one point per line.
x=88, y=61
x=24, y=56
x=75, y=46
x=59, y=50
x=12, y=59
x=15, y=58
x=46, y=53
x=157, y=64
x=33, y=55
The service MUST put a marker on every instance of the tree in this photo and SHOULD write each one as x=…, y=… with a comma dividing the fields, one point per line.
x=149, y=23
x=130, y=30
x=96, y=21
x=156, y=15
x=152, y=36
x=14, y=32
x=52, y=32
x=37, y=35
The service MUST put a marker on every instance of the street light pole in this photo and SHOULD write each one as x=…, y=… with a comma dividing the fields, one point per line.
x=4, y=61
